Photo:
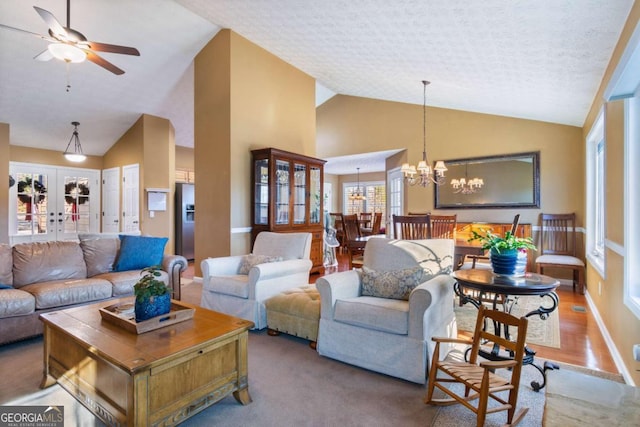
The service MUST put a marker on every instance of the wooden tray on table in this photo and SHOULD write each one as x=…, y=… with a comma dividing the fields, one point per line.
x=121, y=314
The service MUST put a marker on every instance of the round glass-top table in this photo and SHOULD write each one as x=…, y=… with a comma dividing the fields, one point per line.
x=478, y=287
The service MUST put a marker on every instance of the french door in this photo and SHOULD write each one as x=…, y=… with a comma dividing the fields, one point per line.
x=52, y=203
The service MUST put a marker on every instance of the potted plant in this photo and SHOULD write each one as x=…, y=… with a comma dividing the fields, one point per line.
x=508, y=254
x=152, y=295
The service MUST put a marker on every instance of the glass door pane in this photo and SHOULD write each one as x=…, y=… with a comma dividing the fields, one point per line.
x=77, y=213
x=299, y=193
x=261, y=189
x=315, y=214
x=283, y=170
x=32, y=204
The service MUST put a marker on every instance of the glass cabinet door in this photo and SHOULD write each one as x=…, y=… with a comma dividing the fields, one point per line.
x=299, y=193
x=261, y=188
x=283, y=170
x=315, y=215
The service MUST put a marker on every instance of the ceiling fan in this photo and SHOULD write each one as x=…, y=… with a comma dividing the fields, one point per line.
x=70, y=45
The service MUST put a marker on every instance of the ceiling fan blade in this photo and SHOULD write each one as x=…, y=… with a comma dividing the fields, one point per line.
x=102, y=62
x=40, y=36
x=45, y=55
x=51, y=21
x=104, y=47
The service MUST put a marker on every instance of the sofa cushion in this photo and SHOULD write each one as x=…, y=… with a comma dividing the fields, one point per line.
x=395, y=284
x=123, y=281
x=137, y=252
x=6, y=264
x=249, y=261
x=99, y=252
x=229, y=285
x=16, y=302
x=66, y=292
x=37, y=262
x=382, y=314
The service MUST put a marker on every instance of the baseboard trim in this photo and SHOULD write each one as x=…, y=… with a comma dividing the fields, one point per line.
x=610, y=344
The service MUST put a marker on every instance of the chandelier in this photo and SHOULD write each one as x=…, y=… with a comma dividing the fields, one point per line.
x=76, y=155
x=357, y=195
x=466, y=185
x=423, y=174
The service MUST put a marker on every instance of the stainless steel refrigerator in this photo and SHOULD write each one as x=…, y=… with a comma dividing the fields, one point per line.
x=185, y=219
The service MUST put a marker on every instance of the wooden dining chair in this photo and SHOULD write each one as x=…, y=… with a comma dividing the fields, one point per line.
x=375, y=225
x=355, y=246
x=443, y=226
x=411, y=227
x=478, y=375
x=365, y=219
x=558, y=247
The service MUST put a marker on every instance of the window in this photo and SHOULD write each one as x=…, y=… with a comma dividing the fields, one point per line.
x=632, y=204
x=596, y=152
x=375, y=198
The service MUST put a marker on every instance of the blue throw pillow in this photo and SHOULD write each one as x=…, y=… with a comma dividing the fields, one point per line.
x=5, y=286
x=137, y=252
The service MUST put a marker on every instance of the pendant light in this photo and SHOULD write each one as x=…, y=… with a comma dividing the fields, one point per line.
x=76, y=155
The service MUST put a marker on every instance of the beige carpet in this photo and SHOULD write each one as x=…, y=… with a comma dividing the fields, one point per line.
x=539, y=332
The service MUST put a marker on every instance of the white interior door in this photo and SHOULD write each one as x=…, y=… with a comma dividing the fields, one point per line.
x=131, y=198
x=395, y=196
x=111, y=200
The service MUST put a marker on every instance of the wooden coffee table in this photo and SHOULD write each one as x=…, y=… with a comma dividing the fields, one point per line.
x=160, y=377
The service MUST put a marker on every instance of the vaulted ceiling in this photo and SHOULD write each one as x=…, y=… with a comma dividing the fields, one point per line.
x=534, y=59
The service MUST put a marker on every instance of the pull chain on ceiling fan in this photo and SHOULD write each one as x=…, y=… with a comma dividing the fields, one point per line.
x=72, y=46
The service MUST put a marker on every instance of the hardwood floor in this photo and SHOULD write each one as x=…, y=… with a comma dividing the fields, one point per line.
x=581, y=342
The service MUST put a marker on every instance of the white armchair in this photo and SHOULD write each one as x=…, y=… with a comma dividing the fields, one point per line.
x=391, y=336
x=226, y=290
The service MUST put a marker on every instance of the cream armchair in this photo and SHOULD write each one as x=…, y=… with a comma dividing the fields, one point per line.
x=227, y=289
x=391, y=336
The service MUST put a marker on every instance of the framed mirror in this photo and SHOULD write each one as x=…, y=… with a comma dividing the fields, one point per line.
x=509, y=181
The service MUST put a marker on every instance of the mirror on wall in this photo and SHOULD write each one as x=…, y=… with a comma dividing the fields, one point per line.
x=508, y=181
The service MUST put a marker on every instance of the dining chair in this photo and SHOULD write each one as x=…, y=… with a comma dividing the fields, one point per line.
x=443, y=226
x=365, y=219
x=478, y=376
x=411, y=227
x=558, y=247
x=355, y=245
x=375, y=225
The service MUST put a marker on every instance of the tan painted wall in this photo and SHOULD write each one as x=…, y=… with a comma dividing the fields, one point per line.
x=622, y=325
x=150, y=143
x=4, y=188
x=185, y=158
x=245, y=98
x=349, y=125
x=50, y=157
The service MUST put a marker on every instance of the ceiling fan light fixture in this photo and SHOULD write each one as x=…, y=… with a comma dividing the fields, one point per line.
x=67, y=52
x=76, y=155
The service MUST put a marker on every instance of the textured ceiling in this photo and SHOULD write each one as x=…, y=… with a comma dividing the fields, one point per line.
x=535, y=59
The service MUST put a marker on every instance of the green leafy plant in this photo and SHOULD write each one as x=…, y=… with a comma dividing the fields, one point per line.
x=501, y=244
x=149, y=285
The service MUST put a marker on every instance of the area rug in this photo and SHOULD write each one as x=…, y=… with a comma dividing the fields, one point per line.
x=539, y=332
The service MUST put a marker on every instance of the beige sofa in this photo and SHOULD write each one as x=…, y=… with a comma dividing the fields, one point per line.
x=46, y=276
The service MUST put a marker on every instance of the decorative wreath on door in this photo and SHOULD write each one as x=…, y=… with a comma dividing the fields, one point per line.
x=27, y=186
x=72, y=190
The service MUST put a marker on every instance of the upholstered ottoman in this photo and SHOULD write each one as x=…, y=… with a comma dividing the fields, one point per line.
x=296, y=312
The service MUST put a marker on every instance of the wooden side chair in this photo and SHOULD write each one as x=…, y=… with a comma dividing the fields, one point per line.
x=478, y=375
x=375, y=226
x=355, y=245
x=411, y=227
x=365, y=219
x=443, y=226
x=558, y=247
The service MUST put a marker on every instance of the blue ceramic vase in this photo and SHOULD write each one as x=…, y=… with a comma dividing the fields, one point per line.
x=146, y=308
x=509, y=263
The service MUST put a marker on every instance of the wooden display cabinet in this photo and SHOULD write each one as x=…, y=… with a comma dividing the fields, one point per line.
x=287, y=197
